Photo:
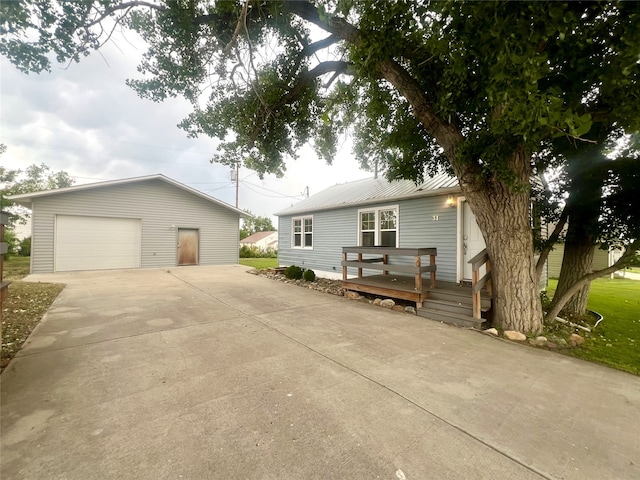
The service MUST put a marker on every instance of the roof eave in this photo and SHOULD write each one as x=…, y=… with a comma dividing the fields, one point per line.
x=26, y=199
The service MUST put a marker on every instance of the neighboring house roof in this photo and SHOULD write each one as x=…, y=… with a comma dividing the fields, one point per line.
x=372, y=190
x=26, y=199
x=256, y=237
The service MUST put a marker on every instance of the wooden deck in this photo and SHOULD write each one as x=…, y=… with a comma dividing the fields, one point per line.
x=391, y=283
x=403, y=287
x=396, y=286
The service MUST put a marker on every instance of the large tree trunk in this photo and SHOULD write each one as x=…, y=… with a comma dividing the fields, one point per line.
x=583, y=206
x=576, y=263
x=501, y=209
x=503, y=216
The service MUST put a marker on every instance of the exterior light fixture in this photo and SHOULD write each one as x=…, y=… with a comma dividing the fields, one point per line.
x=450, y=201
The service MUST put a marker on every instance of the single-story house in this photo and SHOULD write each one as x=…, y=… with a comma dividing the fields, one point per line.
x=262, y=240
x=601, y=259
x=142, y=222
x=376, y=212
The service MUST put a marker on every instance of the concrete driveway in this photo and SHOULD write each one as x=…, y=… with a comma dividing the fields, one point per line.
x=212, y=373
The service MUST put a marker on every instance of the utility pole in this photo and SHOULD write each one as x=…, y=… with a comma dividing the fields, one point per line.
x=237, y=181
x=235, y=177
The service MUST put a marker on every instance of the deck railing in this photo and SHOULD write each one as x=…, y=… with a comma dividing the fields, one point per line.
x=477, y=283
x=382, y=262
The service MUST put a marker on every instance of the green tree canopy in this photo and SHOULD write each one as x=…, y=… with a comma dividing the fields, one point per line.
x=477, y=88
x=34, y=178
x=255, y=223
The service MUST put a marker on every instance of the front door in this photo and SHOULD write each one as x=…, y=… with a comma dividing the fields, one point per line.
x=472, y=241
x=187, y=246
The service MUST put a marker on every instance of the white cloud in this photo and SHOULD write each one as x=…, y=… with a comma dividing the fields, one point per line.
x=83, y=119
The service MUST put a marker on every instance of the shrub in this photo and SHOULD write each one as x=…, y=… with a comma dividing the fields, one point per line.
x=270, y=253
x=293, y=272
x=13, y=244
x=309, y=275
x=25, y=247
x=247, y=251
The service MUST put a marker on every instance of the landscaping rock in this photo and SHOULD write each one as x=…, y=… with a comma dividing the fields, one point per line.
x=552, y=345
x=575, y=340
x=398, y=308
x=491, y=331
x=377, y=301
x=410, y=310
x=387, y=303
x=353, y=295
x=539, y=341
x=515, y=336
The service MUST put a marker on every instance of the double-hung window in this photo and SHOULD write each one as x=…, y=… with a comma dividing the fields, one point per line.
x=302, y=232
x=378, y=227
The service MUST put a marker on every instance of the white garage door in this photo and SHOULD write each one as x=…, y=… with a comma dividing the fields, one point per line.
x=96, y=243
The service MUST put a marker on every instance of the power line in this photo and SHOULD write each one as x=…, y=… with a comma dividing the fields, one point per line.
x=281, y=195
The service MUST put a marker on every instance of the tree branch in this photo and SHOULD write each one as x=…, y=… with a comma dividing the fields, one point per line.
x=629, y=253
x=338, y=67
x=312, y=48
x=240, y=25
x=124, y=6
x=335, y=25
x=553, y=238
x=446, y=134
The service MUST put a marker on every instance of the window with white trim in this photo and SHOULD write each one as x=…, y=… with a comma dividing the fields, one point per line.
x=302, y=232
x=378, y=227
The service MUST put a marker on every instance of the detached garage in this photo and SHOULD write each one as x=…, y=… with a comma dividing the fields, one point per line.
x=142, y=222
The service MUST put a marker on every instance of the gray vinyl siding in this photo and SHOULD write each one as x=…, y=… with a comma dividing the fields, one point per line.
x=554, y=260
x=158, y=205
x=334, y=229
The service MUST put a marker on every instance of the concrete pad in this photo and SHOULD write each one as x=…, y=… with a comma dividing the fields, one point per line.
x=252, y=378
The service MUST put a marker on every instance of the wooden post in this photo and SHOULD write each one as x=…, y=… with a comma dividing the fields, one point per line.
x=418, y=263
x=432, y=262
x=385, y=260
x=489, y=283
x=344, y=267
x=360, y=268
x=476, y=295
x=4, y=248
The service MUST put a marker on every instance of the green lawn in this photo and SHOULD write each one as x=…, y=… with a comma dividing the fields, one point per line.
x=16, y=268
x=616, y=340
x=259, y=262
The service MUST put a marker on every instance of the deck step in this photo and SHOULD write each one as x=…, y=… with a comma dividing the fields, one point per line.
x=462, y=297
x=449, y=317
x=459, y=308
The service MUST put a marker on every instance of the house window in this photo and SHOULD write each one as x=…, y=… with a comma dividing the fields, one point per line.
x=303, y=232
x=367, y=229
x=379, y=227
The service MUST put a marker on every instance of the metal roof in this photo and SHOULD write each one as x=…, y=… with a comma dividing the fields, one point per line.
x=372, y=190
x=256, y=237
x=27, y=198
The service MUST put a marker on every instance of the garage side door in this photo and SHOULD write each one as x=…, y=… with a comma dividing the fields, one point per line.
x=96, y=243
